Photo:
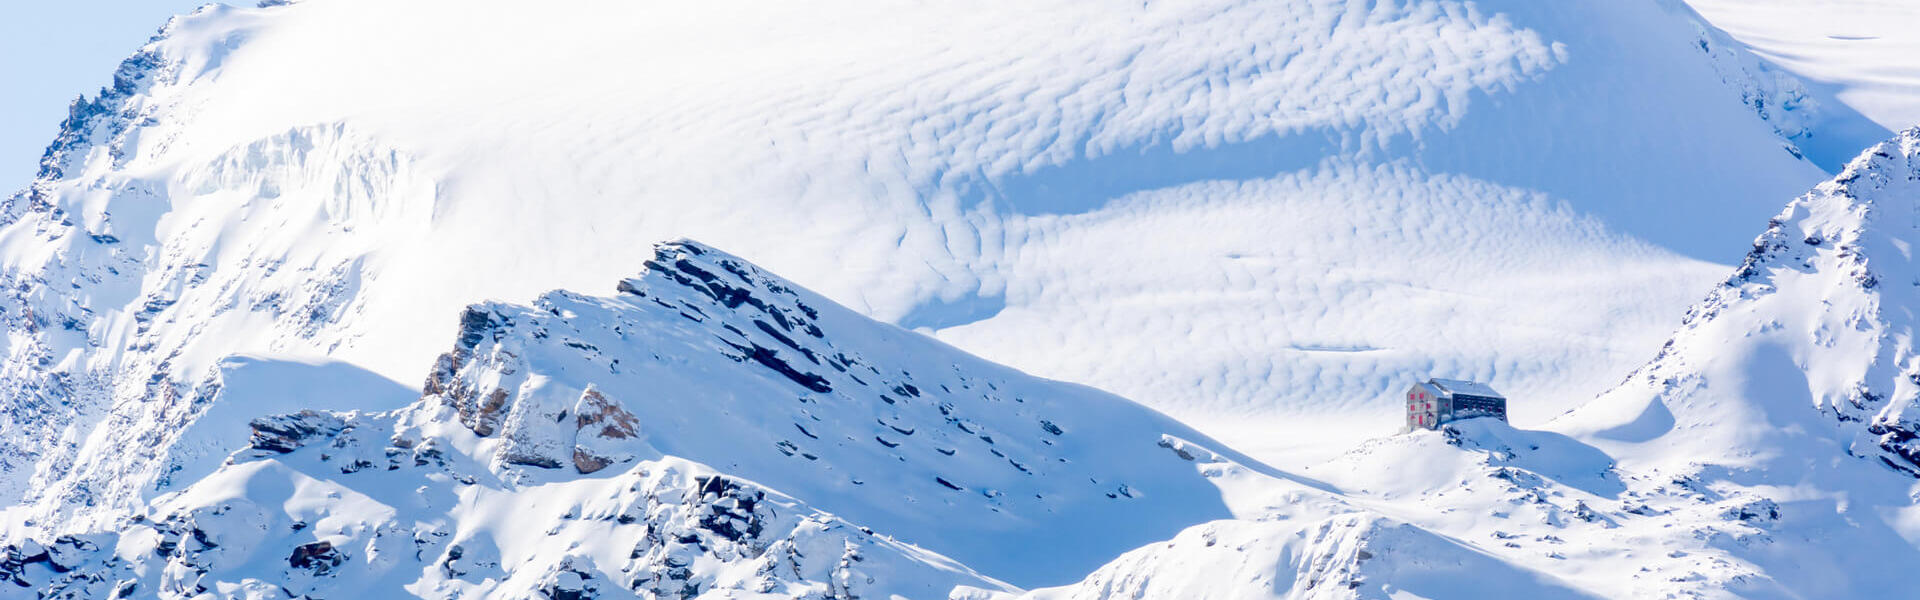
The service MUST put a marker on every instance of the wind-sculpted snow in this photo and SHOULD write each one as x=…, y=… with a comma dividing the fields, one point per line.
x=241, y=191
x=1414, y=250
x=1260, y=217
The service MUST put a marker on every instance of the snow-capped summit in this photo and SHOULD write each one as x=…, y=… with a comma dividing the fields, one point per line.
x=1808, y=348
x=1795, y=384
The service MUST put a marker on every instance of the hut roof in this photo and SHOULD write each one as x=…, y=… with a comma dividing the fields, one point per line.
x=1465, y=388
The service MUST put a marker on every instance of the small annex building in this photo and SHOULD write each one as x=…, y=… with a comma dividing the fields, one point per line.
x=1437, y=402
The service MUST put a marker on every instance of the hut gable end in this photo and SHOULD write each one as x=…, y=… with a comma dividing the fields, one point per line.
x=1436, y=401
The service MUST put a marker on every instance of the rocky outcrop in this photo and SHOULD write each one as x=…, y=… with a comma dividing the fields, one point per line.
x=286, y=433
x=602, y=428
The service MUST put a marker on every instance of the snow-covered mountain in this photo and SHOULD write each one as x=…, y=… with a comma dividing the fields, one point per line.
x=713, y=430
x=1812, y=337
x=252, y=185
x=1767, y=451
x=1259, y=219
x=1796, y=380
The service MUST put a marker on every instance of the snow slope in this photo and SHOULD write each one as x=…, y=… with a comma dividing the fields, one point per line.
x=1767, y=452
x=1022, y=478
x=1259, y=218
x=706, y=358
x=347, y=518
x=1795, y=380
x=1860, y=53
x=658, y=433
x=251, y=185
x=1816, y=324
x=1476, y=510
x=716, y=431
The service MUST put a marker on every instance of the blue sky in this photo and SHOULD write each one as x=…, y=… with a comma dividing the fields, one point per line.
x=53, y=50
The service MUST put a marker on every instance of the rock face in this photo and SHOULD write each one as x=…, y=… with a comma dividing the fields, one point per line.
x=602, y=425
x=286, y=433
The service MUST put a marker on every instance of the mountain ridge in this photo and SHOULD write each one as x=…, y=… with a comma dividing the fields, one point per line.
x=964, y=221
x=232, y=253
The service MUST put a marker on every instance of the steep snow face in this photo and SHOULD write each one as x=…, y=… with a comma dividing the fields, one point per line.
x=252, y=186
x=1217, y=201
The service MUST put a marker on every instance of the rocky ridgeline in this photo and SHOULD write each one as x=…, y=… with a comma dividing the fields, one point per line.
x=809, y=398
x=679, y=529
x=591, y=421
x=695, y=303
